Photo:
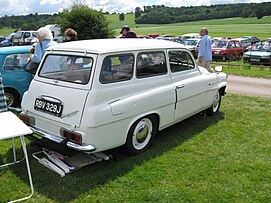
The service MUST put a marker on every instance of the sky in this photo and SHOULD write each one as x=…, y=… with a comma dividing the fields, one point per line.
x=16, y=7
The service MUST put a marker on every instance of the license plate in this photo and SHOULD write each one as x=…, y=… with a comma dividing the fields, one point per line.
x=50, y=107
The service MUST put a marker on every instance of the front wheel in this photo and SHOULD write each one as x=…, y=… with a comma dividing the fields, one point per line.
x=141, y=134
x=12, y=98
x=215, y=105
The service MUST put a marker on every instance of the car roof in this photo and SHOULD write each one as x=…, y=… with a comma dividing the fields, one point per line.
x=14, y=49
x=241, y=38
x=191, y=34
x=114, y=45
x=192, y=39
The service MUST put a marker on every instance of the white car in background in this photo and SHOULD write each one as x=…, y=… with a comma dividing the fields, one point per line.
x=192, y=44
x=24, y=38
x=190, y=35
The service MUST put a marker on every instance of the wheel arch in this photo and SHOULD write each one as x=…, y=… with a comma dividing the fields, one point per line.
x=136, y=118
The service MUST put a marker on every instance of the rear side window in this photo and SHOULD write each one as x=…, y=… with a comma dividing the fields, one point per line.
x=75, y=69
x=26, y=34
x=180, y=61
x=150, y=64
x=117, y=68
x=16, y=61
x=35, y=34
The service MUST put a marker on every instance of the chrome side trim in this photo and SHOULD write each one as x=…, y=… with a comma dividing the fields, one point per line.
x=61, y=140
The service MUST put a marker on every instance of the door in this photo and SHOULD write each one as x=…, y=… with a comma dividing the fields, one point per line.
x=190, y=85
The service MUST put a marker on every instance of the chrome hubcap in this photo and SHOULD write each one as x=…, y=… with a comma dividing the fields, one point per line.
x=216, y=102
x=142, y=133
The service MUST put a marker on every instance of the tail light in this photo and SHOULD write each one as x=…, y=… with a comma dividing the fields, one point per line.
x=71, y=135
x=28, y=120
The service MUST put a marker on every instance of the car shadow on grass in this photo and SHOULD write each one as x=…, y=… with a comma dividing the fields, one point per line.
x=49, y=185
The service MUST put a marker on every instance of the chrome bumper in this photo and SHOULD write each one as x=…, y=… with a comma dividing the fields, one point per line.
x=64, y=141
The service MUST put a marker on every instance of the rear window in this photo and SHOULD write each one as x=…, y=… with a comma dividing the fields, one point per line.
x=75, y=69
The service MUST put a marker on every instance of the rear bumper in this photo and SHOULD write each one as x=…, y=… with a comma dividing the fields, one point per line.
x=64, y=141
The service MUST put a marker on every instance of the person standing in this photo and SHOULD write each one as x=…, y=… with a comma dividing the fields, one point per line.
x=45, y=38
x=70, y=35
x=124, y=30
x=205, y=50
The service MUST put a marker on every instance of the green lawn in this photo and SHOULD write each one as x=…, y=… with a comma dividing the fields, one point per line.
x=224, y=158
x=232, y=27
x=6, y=31
x=239, y=68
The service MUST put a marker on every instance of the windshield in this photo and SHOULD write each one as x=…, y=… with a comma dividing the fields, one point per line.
x=222, y=44
x=75, y=69
x=263, y=46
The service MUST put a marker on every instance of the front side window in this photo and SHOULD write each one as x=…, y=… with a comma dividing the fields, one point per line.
x=237, y=44
x=75, y=69
x=117, y=68
x=232, y=45
x=18, y=35
x=150, y=64
x=180, y=61
x=16, y=61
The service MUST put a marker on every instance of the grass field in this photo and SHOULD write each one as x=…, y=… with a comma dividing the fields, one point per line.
x=224, y=158
x=232, y=27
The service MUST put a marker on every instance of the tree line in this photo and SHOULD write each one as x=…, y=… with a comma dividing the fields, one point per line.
x=166, y=15
x=27, y=22
x=155, y=14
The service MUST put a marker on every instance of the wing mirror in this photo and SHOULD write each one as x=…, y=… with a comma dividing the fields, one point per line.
x=218, y=68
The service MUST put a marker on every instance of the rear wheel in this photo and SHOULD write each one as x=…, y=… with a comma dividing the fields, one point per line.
x=214, y=109
x=141, y=135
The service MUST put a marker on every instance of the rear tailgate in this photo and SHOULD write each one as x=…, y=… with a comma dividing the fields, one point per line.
x=63, y=104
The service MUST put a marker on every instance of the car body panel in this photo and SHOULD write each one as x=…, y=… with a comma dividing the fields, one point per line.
x=103, y=112
x=13, y=72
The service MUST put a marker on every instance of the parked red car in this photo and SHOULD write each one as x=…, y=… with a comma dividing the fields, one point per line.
x=227, y=49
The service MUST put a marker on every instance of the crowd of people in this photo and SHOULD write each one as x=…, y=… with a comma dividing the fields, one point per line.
x=45, y=40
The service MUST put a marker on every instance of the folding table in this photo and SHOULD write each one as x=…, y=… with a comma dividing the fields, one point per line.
x=10, y=127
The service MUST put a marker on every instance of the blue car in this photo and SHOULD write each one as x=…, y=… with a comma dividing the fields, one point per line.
x=16, y=80
x=7, y=41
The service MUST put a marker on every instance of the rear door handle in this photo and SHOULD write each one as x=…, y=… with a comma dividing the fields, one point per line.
x=180, y=86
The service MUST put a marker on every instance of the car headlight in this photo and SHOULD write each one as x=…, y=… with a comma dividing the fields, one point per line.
x=217, y=52
x=265, y=57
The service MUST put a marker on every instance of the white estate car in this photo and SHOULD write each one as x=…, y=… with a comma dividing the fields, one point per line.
x=95, y=95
